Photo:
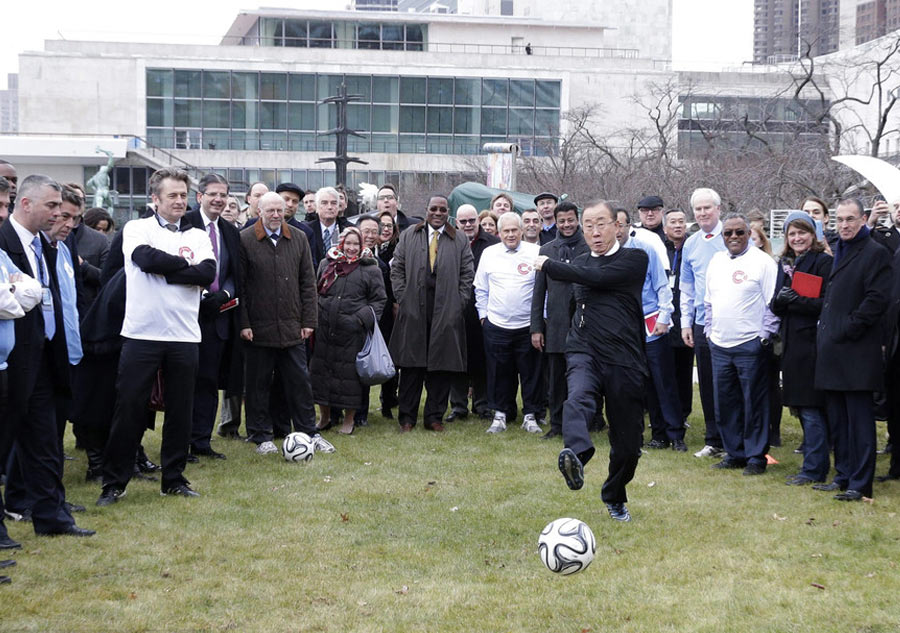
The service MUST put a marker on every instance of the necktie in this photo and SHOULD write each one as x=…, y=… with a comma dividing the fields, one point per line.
x=46, y=303
x=275, y=237
x=327, y=239
x=172, y=227
x=214, y=238
x=432, y=250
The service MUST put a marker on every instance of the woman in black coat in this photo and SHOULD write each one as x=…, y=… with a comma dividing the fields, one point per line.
x=803, y=253
x=351, y=299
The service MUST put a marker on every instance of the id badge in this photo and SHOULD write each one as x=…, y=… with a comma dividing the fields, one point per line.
x=46, y=298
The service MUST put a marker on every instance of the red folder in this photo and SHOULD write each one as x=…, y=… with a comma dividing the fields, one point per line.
x=807, y=285
x=650, y=322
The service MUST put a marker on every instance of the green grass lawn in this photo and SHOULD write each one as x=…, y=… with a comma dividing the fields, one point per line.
x=424, y=532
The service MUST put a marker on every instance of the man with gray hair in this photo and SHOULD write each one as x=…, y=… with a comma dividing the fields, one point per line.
x=504, y=284
x=39, y=362
x=327, y=226
x=740, y=283
x=698, y=249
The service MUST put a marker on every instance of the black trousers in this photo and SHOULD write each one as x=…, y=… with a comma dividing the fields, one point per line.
x=290, y=363
x=138, y=365
x=475, y=378
x=707, y=391
x=851, y=423
x=510, y=357
x=33, y=432
x=684, y=378
x=437, y=391
x=666, y=423
x=559, y=391
x=587, y=378
x=206, y=386
x=893, y=403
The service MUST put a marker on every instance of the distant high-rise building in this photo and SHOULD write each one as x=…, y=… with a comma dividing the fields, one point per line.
x=777, y=24
x=870, y=20
x=374, y=5
x=9, y=105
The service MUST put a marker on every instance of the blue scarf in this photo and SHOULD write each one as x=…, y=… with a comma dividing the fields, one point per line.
x=843, y=246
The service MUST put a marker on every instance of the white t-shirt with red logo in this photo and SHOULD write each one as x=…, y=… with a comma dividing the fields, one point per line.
x=154, y=309
x=739, y=291
x=504, y=283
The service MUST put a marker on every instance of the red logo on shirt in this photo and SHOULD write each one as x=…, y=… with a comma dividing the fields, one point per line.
x=523, y=268
x=739, y=277
x=186, y=253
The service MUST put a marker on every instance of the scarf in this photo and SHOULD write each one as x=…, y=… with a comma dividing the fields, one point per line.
x=843, y=246
x=567, y=245
x=339, y=264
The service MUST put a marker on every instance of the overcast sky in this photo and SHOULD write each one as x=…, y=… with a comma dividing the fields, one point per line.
x=708, y=34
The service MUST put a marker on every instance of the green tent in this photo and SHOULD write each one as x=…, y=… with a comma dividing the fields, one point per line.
x=479, y=196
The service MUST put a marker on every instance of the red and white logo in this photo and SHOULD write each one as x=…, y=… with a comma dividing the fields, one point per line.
x=524, y=268
x=186, y=253
x=739, y=277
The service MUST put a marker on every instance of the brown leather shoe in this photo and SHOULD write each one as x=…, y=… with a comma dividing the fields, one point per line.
x=437, y=427
x=406, y=428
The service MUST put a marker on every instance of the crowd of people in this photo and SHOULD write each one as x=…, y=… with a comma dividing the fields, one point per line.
x=214, y=312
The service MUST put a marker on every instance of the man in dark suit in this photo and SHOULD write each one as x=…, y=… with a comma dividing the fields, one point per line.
x=93, y=248
x=554, y=298
x=217, y=329
x=38, y=365
x=849, y=343
x=476, y=370
x=326, y=228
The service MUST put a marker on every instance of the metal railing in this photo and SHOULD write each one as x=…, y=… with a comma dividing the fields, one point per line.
x=435, y=47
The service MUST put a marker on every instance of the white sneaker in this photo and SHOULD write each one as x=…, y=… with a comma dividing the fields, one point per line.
x=499, y=423
x=709, y=451
x=530, y=424
x=266, y=448
x=321, y=445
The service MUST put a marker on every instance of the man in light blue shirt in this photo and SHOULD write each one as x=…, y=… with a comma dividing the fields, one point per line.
x=656, y=297
x=696, y=253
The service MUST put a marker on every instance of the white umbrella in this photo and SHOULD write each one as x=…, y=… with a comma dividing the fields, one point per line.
x=883, y=176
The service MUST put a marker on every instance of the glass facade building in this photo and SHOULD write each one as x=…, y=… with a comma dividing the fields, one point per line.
x=239, y=110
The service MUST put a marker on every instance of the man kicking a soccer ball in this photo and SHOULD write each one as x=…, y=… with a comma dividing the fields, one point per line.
x=604, y=354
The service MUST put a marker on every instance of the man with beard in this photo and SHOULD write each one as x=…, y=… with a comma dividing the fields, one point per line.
x=551, y=308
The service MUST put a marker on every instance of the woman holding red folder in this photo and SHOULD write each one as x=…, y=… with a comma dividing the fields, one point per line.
x=803, y=272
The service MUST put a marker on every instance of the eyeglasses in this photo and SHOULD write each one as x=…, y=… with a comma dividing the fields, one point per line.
x=387, y=197
x=472, y=221
x=216, y=195
x=386, y=226
x=730, y=232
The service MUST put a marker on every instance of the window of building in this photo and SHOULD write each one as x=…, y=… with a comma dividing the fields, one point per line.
x=506, y=7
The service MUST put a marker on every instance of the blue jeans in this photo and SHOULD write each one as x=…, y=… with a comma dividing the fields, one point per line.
x=741, y=389
x=816, y=445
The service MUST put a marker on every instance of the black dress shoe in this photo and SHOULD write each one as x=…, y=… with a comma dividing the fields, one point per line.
x=888, y=477
x=361, y=421
x=456, y=415
x=74, y=507
x=230, y=435
x=658, y=444
x=679, y=446
x=386, y=413
x=72, y=530
x=207, y=452
x=571, y=468
x=728, y=464
x=7, y=563
x=849, y=495
x=110, y=495
x=549, y=435
x=192, y=459
x=800, y=480
x=754, y=469
x=8, y=543
x=5, y=580
x=181, y=490
x=828, y=487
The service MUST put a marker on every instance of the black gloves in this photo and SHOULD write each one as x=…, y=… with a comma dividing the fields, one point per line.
x=784, y=297
x=210, y=304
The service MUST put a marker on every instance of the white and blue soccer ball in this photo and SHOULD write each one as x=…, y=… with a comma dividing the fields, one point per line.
x=298, y=447
x=566, y=546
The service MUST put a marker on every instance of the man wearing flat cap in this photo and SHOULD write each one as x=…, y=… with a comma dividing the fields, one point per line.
x=650, y=208
x=545, y=203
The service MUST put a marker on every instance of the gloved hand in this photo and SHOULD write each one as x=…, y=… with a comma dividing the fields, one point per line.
x=785, y=297
x=210, y=304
